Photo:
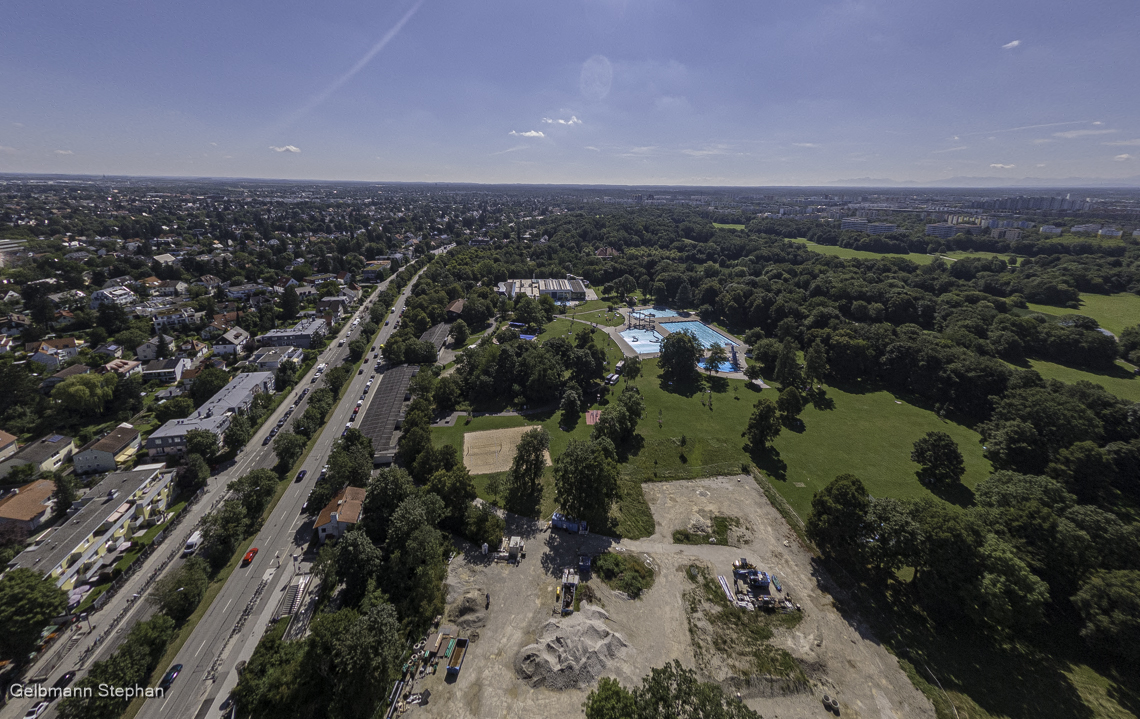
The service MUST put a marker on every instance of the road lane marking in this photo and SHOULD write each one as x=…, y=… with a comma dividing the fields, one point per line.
x=201, y=647
x=228, y=605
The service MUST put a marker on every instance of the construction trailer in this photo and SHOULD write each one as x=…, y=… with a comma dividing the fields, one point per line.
x=569, y=524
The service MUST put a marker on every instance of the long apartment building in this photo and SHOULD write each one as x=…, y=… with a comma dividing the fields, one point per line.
x=213, y=416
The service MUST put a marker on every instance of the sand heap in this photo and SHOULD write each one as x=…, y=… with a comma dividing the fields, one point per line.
x=571, y=652
x=470, y=611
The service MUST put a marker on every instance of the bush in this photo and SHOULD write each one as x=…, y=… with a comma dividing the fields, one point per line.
x=624, y=572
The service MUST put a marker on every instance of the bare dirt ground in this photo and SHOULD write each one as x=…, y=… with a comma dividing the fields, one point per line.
x=840, y=658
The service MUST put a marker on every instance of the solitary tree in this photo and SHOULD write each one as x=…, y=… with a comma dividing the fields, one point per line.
x=65, y=492
x=838, y=516
x=459, y=333
x=290, y=303
x=715, y=357
x=586, y=480
x=787, y=365
x=684, y=295
x=1109, y=602
x=238, y=433
x=939, y=458
x=27, y=604
x=680, y=352
x=790, y=403
x=763, y=425
x=177, y=594
x=529, y=463
x=631, y=370
x=288, y=447
x=815, y=363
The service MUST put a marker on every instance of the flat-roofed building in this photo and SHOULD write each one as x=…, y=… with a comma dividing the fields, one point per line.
x=271, y=358
x=213, y=416
x=305, y=334
x=570, y=289
x=90, y=542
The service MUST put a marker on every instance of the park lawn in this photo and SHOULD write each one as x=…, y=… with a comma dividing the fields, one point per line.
x=562, y=327
x=868, y=433
x=591, y=305
x=963, y=254
x=1121, y=382
x=1112, y=312
x=849, y=254
x=722, y=226
x=600, y=317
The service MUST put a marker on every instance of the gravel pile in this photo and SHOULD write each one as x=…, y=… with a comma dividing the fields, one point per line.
x=571, y=652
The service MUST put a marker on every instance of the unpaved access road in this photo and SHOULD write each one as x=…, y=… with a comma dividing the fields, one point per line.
x=839, y=656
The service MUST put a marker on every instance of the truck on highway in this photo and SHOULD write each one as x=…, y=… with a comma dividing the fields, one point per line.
x=192, y=544
x=457, y=651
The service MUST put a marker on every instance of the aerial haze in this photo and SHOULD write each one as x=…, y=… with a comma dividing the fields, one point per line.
x=601, y=91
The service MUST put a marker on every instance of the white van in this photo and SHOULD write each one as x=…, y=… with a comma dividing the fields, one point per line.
x=192, y=544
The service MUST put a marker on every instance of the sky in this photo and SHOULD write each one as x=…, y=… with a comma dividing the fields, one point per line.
x=781, y=92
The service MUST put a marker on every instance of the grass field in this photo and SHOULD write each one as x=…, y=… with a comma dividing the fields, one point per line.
x=1122, y=383
x=849, y=254
x=1113, y=312
x=963, y=254
x=867, y=433
x=561, y=327
x=722, y=226
x=600, y=317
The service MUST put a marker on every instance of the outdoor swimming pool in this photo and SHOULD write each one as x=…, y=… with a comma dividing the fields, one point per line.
x=657, y=312
x=725, y=366
x=706, y=335
x=642, y=341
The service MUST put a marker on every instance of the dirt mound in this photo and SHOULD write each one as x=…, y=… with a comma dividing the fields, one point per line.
x=572, y=652
x=470, y=611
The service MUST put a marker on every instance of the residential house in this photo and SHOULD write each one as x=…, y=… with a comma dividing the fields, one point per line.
x=151, y=283
x=109, y=350
x=116, y=295
x=284, y=282
x=172, y=288
x=29, y=506
x=193, y=350
x=232, y=342
x=213, y=416
x=166, y=260
x=306, y=291
x=15, y=323
x=606, y=253
x=305, y=334
x=7, y=344
x=167, y=371
x=341, y=513
x=271, y=358
x=122, y=367
x=208, y=281
x=76, y=369
x=375, y=270
x=455, y=309
x=8, y=445
x=175, y=317
x=84, y=549
x=106, y=453
x=67, y=297
x=52, y=354
x=335, y=306
x=47, y=454
x=243, y=292
x=149, y=349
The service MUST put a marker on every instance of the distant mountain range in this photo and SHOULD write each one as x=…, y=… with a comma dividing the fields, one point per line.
x=1062, y=182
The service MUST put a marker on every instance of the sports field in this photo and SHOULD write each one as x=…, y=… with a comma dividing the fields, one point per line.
x=1113, y=312
x=849, y=254
x=492, y=450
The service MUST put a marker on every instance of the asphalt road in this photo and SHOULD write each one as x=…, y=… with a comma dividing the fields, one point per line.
x=285, y=533
x=214, y=648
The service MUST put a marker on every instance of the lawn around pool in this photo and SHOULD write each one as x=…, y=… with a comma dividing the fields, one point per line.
x=1112, y=312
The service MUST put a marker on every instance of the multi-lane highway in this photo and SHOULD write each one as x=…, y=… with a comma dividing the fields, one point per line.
x=251, y=595
x=209, y=656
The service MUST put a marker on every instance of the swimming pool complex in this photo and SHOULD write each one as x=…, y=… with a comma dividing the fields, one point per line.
x=642, y=341
x=725, y=366
x=706, y=335
x=657, y=312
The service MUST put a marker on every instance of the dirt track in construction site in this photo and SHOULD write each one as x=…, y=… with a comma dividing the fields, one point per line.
x=837, y=655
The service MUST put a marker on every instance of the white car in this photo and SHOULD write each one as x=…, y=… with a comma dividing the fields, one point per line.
x=37, y=710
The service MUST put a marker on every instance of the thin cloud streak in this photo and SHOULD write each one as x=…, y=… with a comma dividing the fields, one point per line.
x=320, y=98
x=1011, y=45
x=528, y=133
x=1070, y=134
x=949, y=149
x=1027, y=127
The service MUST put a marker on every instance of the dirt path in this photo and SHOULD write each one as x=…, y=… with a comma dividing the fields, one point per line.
x=840, y=658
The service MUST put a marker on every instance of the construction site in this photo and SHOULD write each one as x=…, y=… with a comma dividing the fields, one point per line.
x=536, y=629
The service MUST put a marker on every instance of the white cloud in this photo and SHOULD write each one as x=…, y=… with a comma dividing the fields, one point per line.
x=948, y=149
x=591, y=147
x=17, y=124
x=1127, y=143
x=1122, y=158
x=1070, y=134
x=214, y=144
x=572, y=121
x=1043, y=141
x=64, y=152
x=547, y=120
x=1011, y=45
x=1041, y=164
x=1000, y=166
x=7, y=150
x=287, y=148
x=805, y=144
x=528, y=133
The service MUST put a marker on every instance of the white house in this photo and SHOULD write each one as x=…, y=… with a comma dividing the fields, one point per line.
x=149, y=349
x=340, y=514
x=231, y=342
x=106, y=453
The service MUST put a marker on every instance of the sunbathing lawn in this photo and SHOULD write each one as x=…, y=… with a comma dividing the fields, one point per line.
x=1122, y=382
x=850, y=254
x=1113, y=312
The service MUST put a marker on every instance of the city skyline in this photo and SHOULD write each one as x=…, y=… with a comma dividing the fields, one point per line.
x=600, y=92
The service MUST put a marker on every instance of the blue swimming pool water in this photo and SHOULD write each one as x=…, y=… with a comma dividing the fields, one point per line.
x=658, y=312
x=725, y=366
x=706, y=335
x=642, y=341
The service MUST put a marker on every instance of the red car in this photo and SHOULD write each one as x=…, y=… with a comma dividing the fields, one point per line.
x=250, y=555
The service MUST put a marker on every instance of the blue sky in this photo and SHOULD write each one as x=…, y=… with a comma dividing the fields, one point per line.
x=600, y=91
